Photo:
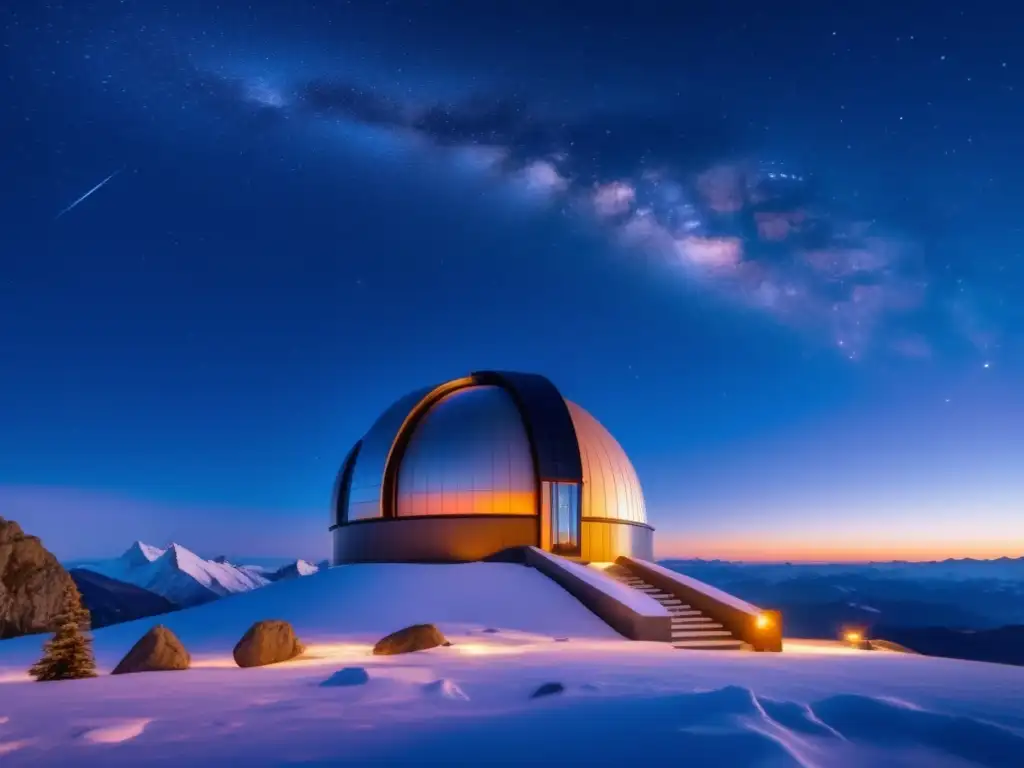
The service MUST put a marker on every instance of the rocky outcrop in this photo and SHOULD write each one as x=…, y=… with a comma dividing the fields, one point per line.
x=267, y=642
x=32, y=583
x=418, y=637
x=159, y=650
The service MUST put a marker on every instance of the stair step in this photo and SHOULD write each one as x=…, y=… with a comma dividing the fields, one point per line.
x=683, y=611
x=711, y=645
x=687, y=634
x=702, y=622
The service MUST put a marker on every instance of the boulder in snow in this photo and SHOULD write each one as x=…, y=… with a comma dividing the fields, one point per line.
x=418, y=637
x=267, y=642
x=158, y=650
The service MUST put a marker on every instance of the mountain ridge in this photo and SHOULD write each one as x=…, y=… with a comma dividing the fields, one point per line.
x=176, y=573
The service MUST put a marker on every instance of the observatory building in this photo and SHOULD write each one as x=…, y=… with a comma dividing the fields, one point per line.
x=480, y=464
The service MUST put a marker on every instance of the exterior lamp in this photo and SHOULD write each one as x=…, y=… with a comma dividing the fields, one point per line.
x=856, y=638
x=762, y=621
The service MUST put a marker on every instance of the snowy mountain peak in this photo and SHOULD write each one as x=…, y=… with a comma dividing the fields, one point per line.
x=140, y=553
x=181, y=557
x=178, y=574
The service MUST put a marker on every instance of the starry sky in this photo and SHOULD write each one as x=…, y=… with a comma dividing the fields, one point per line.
x=777, y=253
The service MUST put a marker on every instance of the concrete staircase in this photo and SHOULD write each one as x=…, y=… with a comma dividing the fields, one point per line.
x=691, y=629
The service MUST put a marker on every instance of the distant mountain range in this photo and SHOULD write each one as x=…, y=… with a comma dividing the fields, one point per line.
x=969, y=609
x=289, y=571
x=112, y=602
x=177, y=574
x=147, y=580
x=1004, y=645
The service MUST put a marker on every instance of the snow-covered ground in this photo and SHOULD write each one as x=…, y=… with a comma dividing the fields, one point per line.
x=623, y=703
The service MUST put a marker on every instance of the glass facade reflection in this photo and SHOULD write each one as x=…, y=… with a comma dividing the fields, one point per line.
x=565, y=517
x=364, y=493
x=343, y=484
x=469, y=455
x=611, y=488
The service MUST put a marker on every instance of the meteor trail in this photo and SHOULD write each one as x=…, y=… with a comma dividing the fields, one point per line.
x=79, y=200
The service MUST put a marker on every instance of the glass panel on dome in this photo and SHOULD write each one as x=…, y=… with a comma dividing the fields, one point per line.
x=469, y=455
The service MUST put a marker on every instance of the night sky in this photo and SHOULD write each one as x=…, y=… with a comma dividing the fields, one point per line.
x=777, y=254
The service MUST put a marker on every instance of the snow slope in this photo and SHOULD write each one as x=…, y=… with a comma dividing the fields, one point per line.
x=472, y=704
x=177, y=573
x=362, y=603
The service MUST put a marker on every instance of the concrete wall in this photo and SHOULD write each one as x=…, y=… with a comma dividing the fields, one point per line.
x=629, y=616
x=462, y=538
x=435, y=539
x=738, y=616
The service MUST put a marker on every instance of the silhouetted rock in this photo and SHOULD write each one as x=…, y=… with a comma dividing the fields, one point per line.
x=548, y=689
x=32, y=584
x=111, y=601
x=267, y=642
x=159, y=650
x=418, y=637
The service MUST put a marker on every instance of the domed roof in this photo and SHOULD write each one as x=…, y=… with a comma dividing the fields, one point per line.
x=468, y=455
x=482, y=445
x=611, y=488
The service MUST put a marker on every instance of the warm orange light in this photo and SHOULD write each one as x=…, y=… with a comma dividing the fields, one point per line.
x=762, y=621
x=853, y=638
x=769, y=548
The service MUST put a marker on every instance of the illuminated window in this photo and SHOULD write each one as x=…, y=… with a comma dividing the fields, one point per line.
x=565, y=518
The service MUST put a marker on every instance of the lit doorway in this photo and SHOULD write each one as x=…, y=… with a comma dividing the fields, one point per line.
x=565, y=518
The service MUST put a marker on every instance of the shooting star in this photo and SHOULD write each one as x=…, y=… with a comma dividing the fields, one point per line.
x=79, y=200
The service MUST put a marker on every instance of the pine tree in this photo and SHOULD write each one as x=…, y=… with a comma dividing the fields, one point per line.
x=68, y=654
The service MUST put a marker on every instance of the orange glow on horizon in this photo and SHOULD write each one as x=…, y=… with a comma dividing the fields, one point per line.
x=767, y=549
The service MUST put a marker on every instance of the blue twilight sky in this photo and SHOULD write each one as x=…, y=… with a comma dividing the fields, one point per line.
x=778, y=255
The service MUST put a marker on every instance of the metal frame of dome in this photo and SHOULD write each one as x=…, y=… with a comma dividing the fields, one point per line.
x=555, y=451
